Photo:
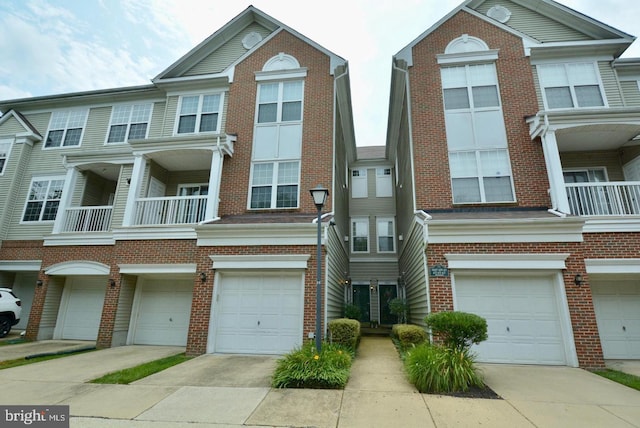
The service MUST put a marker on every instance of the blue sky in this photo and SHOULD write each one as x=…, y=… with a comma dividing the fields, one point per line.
x=56, y=46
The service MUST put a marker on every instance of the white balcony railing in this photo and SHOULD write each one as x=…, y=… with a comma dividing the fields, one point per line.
x=617, y=198
x=172, y=210
x=87, y=219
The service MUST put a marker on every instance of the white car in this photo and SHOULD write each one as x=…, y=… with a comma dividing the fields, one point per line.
x=10, y=310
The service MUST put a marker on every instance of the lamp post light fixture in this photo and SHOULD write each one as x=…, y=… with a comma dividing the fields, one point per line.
x=319, y=195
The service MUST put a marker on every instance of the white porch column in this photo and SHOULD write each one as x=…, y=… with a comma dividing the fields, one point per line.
x=215, y=176
x=134, y=190
x=558, y=190
x=65, y=199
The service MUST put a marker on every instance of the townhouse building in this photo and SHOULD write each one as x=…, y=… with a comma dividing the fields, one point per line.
x=514, y=128
x=179, y=212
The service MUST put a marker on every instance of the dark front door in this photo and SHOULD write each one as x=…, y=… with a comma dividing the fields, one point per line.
x=361, y=300
x=387, y=294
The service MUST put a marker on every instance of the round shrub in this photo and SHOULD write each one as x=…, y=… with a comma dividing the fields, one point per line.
x=457, y=330
x=408, y=334
x=345, y=332
x=435, y=369
x=352, y=312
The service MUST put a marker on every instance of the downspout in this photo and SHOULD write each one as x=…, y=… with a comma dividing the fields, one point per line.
x=424, y=218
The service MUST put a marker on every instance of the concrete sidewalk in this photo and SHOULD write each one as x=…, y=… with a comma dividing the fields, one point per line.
x=232, y=391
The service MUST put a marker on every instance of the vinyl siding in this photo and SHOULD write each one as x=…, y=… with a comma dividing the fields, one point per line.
x=51, y=307
x=14, y=170
x=120, y=200
x=123, y=313
x=412, y=265
x=226, y=54
x=95, y=131
x=175, y=179
x=533, y=24
x=371, y=204
x=40, y=121
x=610, y=83
x=631, y=93
x=170, y=116
x=157, y=120
x=607, y=159
x=363, y=270
x=536, y=81
x=336, y=266
x=11, y=127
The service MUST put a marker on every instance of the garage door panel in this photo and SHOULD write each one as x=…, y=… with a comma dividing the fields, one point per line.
x=83, y=309
x=523, y=324
x=617, y=307
x=267, y=319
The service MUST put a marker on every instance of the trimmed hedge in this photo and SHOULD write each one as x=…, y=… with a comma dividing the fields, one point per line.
x=345, y=332
x=457, y=330
x=305, y=368
x=409, y=334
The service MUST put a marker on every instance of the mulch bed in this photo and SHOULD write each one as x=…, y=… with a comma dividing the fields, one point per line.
x=475, y=392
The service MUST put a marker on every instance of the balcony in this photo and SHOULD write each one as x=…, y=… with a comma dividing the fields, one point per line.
x=170, y=210
x=614, y=198
x=87, y=219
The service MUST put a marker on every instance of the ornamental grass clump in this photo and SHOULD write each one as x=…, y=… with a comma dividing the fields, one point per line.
x=306, y=368
x=436, y=369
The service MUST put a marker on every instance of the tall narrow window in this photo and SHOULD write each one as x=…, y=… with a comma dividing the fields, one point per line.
x=386, y=235
x=360, y=235
x=359, y=185
x=43, y=199
x=570, y=85
x=65, y=128
x=476, y=137
x=277, y=146
x=384, y=184
x=5, y=150
x=129, y=122
x=199, y=113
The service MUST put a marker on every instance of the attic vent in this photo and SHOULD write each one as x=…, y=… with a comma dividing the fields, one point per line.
x=499, y=13
x=251, y=39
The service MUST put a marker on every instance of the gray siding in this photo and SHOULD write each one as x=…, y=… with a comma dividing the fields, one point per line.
x=51, y=306
x=336, y=265
x=225, y=55
x=120, y=199
x=363, y=270
x=157, y=120
x=170, y=116
x=174, y=179
x=533, y=24
x=536, y=82
x=372, y=204
x=631, y=93
x=11, y=127
x=14, y=172
x=412, y=265
x=610, y=83
x=95, y=131
x=608, y=159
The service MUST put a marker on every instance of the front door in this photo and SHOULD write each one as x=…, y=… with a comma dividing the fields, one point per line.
x=387, y=294
x=362, y=301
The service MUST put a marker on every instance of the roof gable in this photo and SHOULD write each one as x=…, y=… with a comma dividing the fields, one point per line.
x=219, y=53
x=17, y=120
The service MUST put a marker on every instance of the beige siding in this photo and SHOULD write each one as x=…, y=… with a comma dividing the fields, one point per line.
x=631, y=93
x=609, y=159
x=412, y=265
x=120, y=199
x=51, y=307
x=535, y=25
x=14, y=171
x=223, y=117
x=40, y=121
x=11, y=127
x=363, y=270
x=224, y=56
x=170, y=116
x=157, y=120
x=81, y=183
x=185, y=177
x=337, y=264
x=610, y=83
x=371, y=204
x=123, y=312
x=536, y=82
x=95, y=131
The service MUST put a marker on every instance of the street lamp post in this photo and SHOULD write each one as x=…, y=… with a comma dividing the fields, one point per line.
x=319, y=195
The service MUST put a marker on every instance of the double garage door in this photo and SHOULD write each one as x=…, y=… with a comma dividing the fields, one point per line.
x=258, y=314
x=522, y=316
x=617, y=306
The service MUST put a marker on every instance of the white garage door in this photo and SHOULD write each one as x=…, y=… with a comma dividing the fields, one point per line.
x=617, y=306
x=522, y=318
x=163, y=312
x=83, y=308
x=259, y=314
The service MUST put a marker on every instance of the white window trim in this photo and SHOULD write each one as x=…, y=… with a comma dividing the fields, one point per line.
x=84, y=127
x=363, y=220
x=279, y=103
x=201, y=96
x=10, y=142
x=380, y=176
x=481, y=179
x=185, y=185
x=126, y=140
x=362, y=177
x=588, y=169
x=603, y=93
x=393, y=222
x=274, y=184
x=26, y=202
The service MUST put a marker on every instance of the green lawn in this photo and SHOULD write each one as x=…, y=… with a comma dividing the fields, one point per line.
x=132, y=374
x=625, y=379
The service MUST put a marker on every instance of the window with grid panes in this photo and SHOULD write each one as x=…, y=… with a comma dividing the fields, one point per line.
x=65, y=128
x=570, y=85
x=476, y=136
x=360, y=235
x=5, y=149
x=129, y=122
x=199, y=113
x=43, y=199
